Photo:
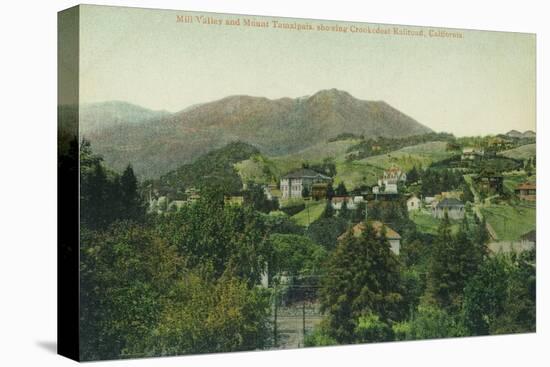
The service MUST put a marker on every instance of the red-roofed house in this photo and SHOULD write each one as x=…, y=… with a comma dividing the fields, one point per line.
x=392, y=236
x=527, y=191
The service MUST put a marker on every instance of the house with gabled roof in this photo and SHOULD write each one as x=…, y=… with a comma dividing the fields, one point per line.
x=453, y=207
x=292, y=185
x=527, y=191
x=392, y=236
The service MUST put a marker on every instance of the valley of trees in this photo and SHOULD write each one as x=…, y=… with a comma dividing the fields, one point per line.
x=189, y=281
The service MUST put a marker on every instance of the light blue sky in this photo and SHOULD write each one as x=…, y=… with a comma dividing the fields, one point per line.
x=482, y=83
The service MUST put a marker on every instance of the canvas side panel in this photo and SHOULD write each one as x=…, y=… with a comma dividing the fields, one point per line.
x=68, y=184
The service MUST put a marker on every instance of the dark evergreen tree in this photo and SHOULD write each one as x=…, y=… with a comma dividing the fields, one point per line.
x=344, y=212
x=132, y=207
x=330, y=192
x=455, y=259
x=363, y=278
x=329, y=210
x=413, y=175
x=341, y=189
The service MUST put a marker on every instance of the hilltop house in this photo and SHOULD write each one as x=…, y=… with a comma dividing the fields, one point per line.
x=392, y=236
x=293, y=184
x=413, y=203
x=527, y=191
x=391, y=178
x=453, y=207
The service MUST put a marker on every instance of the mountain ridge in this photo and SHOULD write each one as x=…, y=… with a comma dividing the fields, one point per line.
x=275, y=126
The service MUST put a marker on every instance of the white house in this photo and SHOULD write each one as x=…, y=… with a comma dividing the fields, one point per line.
x=293, y=184
x=413, y=203
x=351, y=202
x=391, y=178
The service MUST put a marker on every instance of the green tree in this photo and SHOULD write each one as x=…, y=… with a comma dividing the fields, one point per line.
x=429, y=322
x=413, y=175
x=325, y=231
x=454, y=260
x=360, y=213
x=255, y=197
x=296, y=255
x=371, y=329
x=363, y=277
x=519, y=315
x=341, y=189
x=344, y=211
x=330, y=192
x=132, y=207
x=329, y=210
x=204, y=315
x=485, y=295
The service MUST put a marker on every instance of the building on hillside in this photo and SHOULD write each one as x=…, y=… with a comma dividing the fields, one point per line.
x=490, y=182
x=352, y=202
x=391, y=177
x=413, y=203
x=529, y=239
x=453, y=207
x=293, y=184
x=527, y=191
x=471, y=154
x=392, y=236
x=319, y=191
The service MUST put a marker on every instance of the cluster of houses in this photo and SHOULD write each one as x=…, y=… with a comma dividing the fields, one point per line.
x=446, y=202
x=160, y=204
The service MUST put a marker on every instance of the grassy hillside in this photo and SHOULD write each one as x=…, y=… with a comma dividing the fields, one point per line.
x=333, y=149
x=510, y=222
x=521, y=152
x=513, y=179
x=214, y=168
x=352, y=173
x=369, y=169
x=426, y=223
x=313, y=210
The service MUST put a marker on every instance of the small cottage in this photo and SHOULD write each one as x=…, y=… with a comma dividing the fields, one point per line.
x=453, y=207
x=527, y=191
x=392, y=236
x=413, y=203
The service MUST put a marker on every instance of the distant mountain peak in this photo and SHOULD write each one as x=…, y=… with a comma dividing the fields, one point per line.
x=275, y=126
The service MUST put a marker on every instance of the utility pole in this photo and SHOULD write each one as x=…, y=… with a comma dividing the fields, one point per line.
x=275, y=341
x=304, y=323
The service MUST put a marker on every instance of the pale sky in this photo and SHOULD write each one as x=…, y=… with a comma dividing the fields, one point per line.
x=483, y=83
